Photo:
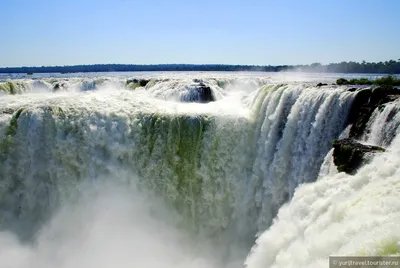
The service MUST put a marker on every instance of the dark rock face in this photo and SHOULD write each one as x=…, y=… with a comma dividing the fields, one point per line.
x=349, y=155
x=366, y=101
x=205, y=93
x=134, y=83
x=133, y=80
x=321, y=84
x=58, y=86
x=143, y=82
x=198, y=93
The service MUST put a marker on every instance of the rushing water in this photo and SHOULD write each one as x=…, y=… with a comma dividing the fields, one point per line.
x=97, y=173
x=338, y=215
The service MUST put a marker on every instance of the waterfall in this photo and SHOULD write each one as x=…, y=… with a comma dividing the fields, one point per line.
x=341, y=214
x=292, y=120
x=383, y=125
x=224, y=169
x=228, y=167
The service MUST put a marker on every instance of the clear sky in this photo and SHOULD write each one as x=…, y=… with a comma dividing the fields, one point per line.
x=67, y=32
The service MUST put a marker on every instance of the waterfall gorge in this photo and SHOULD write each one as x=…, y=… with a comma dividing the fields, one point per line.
x=107, y=171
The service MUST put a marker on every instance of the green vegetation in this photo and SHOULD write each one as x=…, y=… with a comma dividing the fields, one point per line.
x=383, y=81
x=389, y=81
x=387, y=67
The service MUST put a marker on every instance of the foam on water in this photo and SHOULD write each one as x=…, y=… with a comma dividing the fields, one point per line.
x=225, y=168
x=340, y=214
x=110, y=224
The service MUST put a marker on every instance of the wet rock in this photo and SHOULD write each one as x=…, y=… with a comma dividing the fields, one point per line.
x=133, y=80
x=143, y=82
x=135, y=83
x=364, y=104
x=321, y=84
x=198, y=93
x=58, y=86
x=206, y=94
x=349, y=155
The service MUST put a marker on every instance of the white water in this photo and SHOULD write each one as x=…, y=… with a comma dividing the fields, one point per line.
x=341, y=215
x=226, y=166
x=110, y=226
x=383, y=125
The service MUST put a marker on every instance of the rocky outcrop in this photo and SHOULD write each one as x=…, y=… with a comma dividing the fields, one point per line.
x=365, y=102
x=349, y=155
x=135, y=83
x=9, y=88
x=205, y=93
x=59, y=86
x=198, y=93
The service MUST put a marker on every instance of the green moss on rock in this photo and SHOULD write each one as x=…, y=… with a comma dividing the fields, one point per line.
x=11, y=131
x=176, y=142
x=349, y=155
x=12, y=128
x=8, y=87
x=13, y=87
x=135, y=83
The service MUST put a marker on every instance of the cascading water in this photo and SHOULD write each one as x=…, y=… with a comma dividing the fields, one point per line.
x=341, y=215
x=226, y=166
x=383, y=125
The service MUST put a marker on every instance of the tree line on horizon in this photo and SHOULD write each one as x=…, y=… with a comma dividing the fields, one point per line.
x=386, y=67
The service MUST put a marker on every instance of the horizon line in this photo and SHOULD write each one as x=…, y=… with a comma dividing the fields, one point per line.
x=198, y=64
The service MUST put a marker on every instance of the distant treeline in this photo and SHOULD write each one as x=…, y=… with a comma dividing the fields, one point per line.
x=387, y=67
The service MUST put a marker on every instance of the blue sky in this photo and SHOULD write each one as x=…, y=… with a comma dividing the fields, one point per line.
x=55, y=32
